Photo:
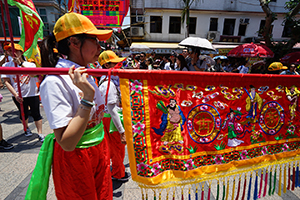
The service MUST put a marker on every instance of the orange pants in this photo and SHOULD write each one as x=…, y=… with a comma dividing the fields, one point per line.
x=83, y=173
x=117, y=150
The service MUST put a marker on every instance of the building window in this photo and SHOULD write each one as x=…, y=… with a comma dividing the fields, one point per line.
x=242, y=30
x=14, y=14
x=192, y=26
x=213, y=24
x=43, y=14
x=287, y=31
x=228, y=28
x=262, y=27
x=175, y=25
x=155, y=24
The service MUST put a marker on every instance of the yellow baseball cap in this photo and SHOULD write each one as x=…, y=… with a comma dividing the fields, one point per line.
x=276, y=66
x=109, y=56
x=16, y=46
x=73, y=24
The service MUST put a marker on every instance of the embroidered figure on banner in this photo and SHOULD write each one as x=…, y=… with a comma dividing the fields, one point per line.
x=172, y=121
x=293, y=94
x=253, y=104
x=234, y=128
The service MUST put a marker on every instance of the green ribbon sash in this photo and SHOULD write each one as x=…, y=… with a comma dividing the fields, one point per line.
x=112, y=127
x=39, y=182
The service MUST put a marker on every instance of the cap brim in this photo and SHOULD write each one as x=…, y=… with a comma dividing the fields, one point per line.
x=101, y=34
x=117, y=60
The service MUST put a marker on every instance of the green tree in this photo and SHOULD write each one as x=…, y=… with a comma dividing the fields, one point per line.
x=185, y=15
x=290, y=22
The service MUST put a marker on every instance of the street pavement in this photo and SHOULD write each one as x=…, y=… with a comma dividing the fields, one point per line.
x=18, y=163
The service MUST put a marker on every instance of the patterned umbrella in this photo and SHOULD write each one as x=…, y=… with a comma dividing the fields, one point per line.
x=251, y=50
x=291, y=58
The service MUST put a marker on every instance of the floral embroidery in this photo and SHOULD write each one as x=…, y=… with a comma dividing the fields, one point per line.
x=189, y=164
x=136, y=86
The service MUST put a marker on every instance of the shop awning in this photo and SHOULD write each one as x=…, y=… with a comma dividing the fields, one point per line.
x=159, y=45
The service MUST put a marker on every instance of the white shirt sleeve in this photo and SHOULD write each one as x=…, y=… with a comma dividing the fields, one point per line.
x=113, y=111
x=112, y=93
x=57, y=102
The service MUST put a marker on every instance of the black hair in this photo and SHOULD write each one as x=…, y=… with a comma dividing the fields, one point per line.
x=144, y=53
x=48, y=57
x=150, y=60
x=182, y=62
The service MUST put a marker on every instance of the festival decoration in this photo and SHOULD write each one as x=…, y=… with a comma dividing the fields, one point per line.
x=221, y=128
x=32, y=28
x=103, y=13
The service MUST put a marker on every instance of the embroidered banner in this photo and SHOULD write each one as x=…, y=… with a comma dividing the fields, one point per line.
x=103, y=13
x=189, y=127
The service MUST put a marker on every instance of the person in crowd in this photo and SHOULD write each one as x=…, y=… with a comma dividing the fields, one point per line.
x=186, y=55
x=3, y=143
x=172, y=60
x=218, y=66
x=149, y=63
x=226, y=66
x=167, y=61
x=290, y=71
x=181, y=63
x=112, y=120
x=195, y=61
x=136, y=63
x=74, y=108
x=143, y=61
x=152, y=56
x=156, y=64
x=30, y=95
x=3, y=59
x=243, y=68
x=163, y=62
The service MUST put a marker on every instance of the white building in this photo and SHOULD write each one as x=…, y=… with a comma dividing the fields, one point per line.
x=234, y=21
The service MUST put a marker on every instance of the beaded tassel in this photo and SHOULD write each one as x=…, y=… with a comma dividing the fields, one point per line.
x=154, y=195
x=274, y=185
x=174, y=194
x=297, y=176
x=218, y=190
x=233, y=188
x=244, y=190
x=266, y=183
x=239, y=187
x=223, y=198
x=143, y=198
x=202, y=193
x=190, y=194
x=255, y=185
x=284, y=179
x=249, y=190
x=270, y=180
x=182, y=197
x=159, y=197
x=261, y=182
x=227, y=189
x=208, y=195
x=294, y=177
x=146, y=196
x=279, y=184
x=289, y=177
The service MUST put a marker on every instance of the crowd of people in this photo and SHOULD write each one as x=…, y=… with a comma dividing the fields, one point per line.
x=86, y=113
x=192, y=61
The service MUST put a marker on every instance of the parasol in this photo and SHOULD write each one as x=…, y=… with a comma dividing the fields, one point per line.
x=139, y=48
x=251, y=50
x=197, y=42
x=291, y=58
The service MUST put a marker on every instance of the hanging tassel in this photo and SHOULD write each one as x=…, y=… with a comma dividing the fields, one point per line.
x=154, y=195
x=174, y=194
x=218, y=190
x=284, y=179
x=279, y=184
x=190, y=194
x=143, y=198
x=249, y=190
x=255, y=185
x=223, y=198
x=196, y=195
x=182, y=197
x=159, y=197
x=146, y=195
x=227, y=189
x=289, y=177
x=297, y=176
x=168, y=192
x=266, y=183
x=274, y=185
x=233, y=188
x=239, y=187
x=244, y=190
x=270, y=182
x=202, y=193
x=208, y=195
x=294, y=177
x=261, y=182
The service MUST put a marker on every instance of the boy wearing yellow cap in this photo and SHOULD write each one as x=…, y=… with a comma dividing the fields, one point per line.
x=113, y=126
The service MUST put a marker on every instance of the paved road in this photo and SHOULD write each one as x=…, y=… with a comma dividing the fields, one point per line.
x=18, y=163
